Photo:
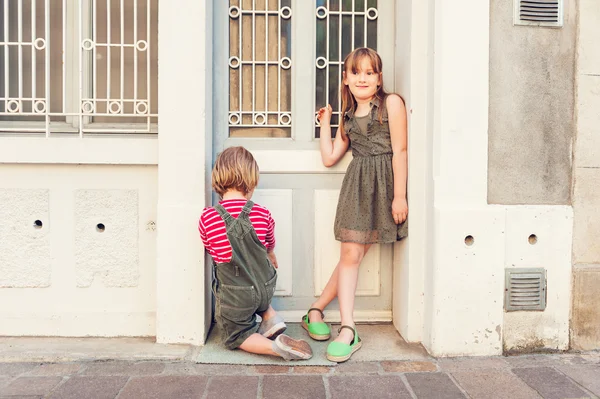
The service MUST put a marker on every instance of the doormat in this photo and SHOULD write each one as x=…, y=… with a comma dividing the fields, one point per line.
x=214, y=352
x=381, y=342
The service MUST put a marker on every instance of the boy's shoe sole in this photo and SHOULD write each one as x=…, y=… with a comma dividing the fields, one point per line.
x=275, y=331
x=297, y=349
x=340, y=359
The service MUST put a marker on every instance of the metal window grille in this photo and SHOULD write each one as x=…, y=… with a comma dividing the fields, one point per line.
x=260, y=68
x=78, y=66
x=539, y=12
x=342, y=26
x=525, y=289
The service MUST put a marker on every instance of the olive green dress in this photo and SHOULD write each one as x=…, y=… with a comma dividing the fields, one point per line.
x=364, y=211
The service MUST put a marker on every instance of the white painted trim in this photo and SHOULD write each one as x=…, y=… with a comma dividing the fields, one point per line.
x=333, y=316
x=279, y=162
x=74, y=150
x=78, y=324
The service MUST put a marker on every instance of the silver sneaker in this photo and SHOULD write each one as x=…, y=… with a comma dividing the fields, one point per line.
x=273, y=327
x=292, y=349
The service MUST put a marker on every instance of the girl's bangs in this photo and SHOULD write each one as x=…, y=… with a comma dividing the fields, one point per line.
x=356, y=58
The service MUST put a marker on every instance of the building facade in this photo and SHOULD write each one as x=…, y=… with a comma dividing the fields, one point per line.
x=111, y=114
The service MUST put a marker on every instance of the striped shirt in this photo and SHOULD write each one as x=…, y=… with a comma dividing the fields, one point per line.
x=214, y=234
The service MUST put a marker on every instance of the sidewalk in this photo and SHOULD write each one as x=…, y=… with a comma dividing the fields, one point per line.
x=170, y=374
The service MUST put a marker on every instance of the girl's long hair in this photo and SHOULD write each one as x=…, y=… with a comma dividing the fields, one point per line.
x=352, y=63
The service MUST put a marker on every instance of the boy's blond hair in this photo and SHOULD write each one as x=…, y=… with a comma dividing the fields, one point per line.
x=235, y=169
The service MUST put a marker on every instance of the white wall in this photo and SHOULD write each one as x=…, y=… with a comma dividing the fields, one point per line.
x=67, y=278
x=184, y=125
x=464, y=284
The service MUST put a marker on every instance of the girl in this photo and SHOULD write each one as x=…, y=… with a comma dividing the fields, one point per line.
x=372, y=207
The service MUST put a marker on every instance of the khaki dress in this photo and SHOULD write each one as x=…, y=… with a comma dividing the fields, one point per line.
x=364, y=211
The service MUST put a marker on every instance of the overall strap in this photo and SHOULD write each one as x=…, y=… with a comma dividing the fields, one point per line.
x=247, y=208
x=223, y=213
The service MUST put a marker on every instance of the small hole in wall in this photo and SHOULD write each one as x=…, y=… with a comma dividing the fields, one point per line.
x=38, y=224
x=533, y=239
x=100, y=227
x=469, y=240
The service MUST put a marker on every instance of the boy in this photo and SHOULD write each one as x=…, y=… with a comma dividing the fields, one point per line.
x=239, y=236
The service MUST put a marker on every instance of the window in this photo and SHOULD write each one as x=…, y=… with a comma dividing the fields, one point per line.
x=342, y=26
x=260, y=68
x=281, y=61
x=78, y=66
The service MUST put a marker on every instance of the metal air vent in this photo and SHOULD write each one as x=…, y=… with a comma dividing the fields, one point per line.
x=539, y=12
x=525, y=289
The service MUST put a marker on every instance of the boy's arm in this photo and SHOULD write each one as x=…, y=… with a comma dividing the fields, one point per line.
x=270, y=241
x=272, y=258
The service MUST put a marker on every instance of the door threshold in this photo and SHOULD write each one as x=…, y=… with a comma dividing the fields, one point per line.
x=381, y=342
x=333, y=316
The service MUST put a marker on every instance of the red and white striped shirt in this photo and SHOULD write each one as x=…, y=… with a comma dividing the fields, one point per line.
x=214, y=233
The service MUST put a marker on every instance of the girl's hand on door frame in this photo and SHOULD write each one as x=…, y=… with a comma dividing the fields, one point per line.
x=324, y=115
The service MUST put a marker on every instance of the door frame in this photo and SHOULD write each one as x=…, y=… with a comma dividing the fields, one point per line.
x=414, y=22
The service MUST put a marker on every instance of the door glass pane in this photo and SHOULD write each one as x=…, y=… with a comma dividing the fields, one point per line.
x=260, y=68
x=338, y=33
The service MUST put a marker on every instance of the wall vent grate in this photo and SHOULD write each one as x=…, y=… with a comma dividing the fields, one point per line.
x=539, y=12
x=525, y=289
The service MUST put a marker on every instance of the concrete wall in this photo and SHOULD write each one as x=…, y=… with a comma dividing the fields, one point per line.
x=585, y=325
x=531, y=124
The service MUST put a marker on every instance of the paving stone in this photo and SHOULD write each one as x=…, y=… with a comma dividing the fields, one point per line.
x=549, y=383
x=159, y=387
x=587, y=376
x=92, y=387
x=204, y=369
x=56, y=369
x=533, y=361
x=293, y=387
x=433, y=385
x=124, y=368
x=270, y=369
x=408, y=367
x=14, y=369
x=31, y=386
x=233, y=387
x=472, y=363
x=368, y=386
x=492, y=384
x=357, y=367
x=311, y=370
x=4, y=381
x=591, y=357
x=571, y=359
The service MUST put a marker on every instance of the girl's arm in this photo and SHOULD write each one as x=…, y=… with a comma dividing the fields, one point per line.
x=331, y=152
x=398, y=133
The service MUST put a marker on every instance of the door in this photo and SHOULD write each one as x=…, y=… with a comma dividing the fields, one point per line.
x=275, y=63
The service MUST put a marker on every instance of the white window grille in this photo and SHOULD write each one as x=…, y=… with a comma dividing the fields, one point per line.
x=78, y=66
x=260, y=68
x=342, y=26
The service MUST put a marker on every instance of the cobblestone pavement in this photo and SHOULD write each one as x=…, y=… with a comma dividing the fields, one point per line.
x=533, y=376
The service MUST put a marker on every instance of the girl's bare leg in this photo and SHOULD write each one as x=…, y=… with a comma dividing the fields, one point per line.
x=331, y=289
x=351, y=256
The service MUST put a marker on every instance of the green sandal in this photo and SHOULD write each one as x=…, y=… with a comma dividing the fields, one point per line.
x=318, y=330
x=340, y=351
